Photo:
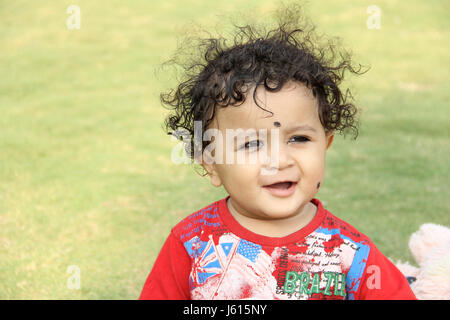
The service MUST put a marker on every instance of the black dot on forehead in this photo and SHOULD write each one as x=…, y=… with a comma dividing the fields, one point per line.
x=277, y=124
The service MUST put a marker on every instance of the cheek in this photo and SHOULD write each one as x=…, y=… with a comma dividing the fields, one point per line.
x=238, y=176
x=313, y=167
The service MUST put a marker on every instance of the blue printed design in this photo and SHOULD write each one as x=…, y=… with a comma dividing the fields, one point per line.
x=249, y=250
x=205, y=261
x=355, y=273
x=226, y=247
x=195, y=247
x=196, y=222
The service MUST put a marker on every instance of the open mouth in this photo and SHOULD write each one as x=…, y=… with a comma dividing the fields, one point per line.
x=281, y=189
x=281, y=185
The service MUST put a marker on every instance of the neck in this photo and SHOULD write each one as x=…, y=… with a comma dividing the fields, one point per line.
x=275, y=227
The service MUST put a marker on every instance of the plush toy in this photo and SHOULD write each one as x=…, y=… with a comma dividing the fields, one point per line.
x=430, y=246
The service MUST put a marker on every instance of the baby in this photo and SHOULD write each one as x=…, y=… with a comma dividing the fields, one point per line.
x=262, y=113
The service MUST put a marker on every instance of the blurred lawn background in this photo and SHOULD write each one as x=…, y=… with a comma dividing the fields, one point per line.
x=85, y=171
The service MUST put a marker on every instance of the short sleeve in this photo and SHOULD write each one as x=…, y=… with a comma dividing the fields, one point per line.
x=169, y=277
x=382, y=280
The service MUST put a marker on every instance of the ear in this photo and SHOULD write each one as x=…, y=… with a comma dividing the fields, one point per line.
x=208, y=164
x=329, y=137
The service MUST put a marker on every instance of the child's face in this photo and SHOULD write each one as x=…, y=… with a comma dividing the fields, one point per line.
x=299, y=153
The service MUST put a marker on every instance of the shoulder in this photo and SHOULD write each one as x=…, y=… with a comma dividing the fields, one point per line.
x=197, y=222
x=331, y=224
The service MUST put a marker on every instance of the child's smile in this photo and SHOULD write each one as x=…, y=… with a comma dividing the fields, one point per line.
x=281, y=189
x=279, y=185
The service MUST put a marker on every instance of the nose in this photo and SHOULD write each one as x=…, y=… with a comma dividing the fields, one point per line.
x=285, y=159
x=279, y=158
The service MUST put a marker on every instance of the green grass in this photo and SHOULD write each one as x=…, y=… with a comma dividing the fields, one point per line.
x=85, y=171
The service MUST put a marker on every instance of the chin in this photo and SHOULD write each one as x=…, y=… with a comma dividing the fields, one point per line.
x=284, y=207
x=280, y=215
x=275, y=212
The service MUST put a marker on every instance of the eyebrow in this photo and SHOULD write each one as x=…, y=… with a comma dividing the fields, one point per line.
x=304, y=127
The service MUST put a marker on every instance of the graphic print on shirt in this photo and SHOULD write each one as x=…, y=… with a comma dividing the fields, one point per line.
x=238, y=269
x=326, y=257
x=327, y=264
x=235, y=269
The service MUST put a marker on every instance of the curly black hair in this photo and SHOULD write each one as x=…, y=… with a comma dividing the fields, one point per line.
x=219, y=74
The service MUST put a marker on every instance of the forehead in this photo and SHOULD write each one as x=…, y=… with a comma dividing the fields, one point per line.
x=294, y=104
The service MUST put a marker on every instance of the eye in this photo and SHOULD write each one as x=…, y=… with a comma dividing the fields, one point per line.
x=252, y=145
x=299, y=139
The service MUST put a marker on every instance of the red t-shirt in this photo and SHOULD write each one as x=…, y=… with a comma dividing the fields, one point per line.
x=209, y=255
